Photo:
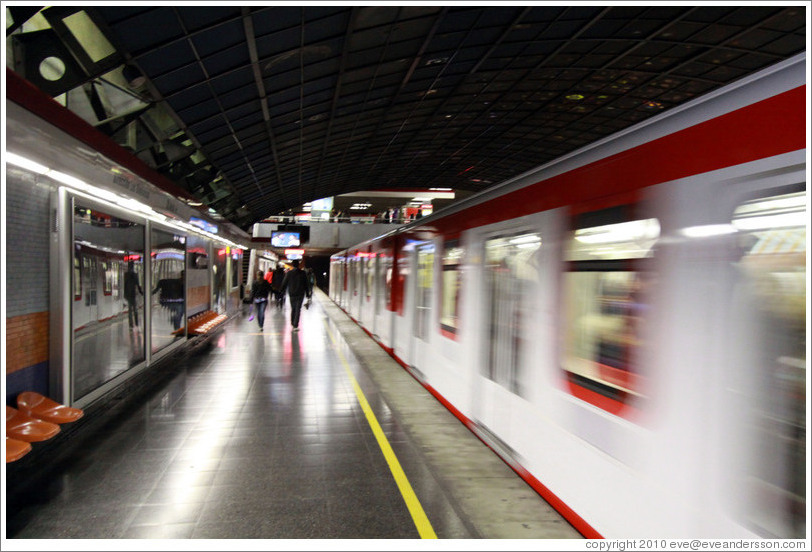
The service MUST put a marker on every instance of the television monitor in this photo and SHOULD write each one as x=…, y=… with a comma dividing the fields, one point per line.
x=285, y=238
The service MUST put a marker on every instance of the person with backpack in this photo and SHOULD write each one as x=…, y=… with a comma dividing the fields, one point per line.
x=276, y=280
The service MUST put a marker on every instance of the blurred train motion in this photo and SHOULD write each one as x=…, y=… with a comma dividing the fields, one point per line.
x=626, y=326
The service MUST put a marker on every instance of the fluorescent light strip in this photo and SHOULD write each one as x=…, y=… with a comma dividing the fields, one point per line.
x=526, y=239
x=24, y=163
x=621, y=232
x=707, y=230
x=786, y=220
x=82, y=188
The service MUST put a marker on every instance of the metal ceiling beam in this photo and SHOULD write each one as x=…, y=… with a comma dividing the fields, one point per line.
x=251, y=40
x=366, y=96
x=336, y=95
x=216, y=99
x=413, y=66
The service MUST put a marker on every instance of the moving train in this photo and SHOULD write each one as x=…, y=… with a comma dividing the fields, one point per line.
x=625, y=326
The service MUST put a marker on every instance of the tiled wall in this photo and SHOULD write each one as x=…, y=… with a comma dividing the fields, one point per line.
x=27, y=233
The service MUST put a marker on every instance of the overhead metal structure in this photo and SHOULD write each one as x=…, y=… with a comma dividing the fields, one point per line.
x=256, y=110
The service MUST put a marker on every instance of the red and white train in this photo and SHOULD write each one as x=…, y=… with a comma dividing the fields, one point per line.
x=626, y=326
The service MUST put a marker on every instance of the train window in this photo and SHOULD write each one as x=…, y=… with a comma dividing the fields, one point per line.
x=452, y=260
x=383, y=291
x=118, y=269
x=384, y=266
x=359, y=277
x=352, y=274
x=772, y=239
x=77, y=274
x=511, y=276
x=388, y=275
x=425, y=282
x=604, y=302
x=370, y=275
x=107, y=272
x=90, y=274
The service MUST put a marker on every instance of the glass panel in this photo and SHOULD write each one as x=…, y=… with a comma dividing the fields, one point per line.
x=626, y=240
x=772, y=234
x=605, y=299
x=108, y=329
x=511, y=275
x=198, y=286
x=236, y=266
x=425, y=281
x=169, y=291
x=219, y=292
x=452, y=259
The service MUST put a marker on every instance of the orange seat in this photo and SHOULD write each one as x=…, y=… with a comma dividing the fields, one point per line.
x=40, y=406
x=16, y=449
x=25, y=428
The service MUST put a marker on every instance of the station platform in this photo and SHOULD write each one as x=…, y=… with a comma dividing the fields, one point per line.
x=275, y=434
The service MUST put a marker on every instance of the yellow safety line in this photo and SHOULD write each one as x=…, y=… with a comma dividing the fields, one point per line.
x=422, y=522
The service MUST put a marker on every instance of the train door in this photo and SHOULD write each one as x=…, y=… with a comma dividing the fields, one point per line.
x=423, y=311
x=730, y=348
x=509, y=281
x=383, y=295
x=765, y=353
x=336, y=284
x=404, y=303
x=370, y=312
x=357, y=286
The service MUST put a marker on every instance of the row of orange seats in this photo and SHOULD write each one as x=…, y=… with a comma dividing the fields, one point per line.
x=36, y=418
x=205, y=321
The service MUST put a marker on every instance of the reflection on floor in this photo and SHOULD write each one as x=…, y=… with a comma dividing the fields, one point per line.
x=263, y=436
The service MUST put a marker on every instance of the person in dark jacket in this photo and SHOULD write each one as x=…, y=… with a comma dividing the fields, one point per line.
x=276, y=283
x=131, y=286
x=172, y=297
x=259, y=297
x=297, y=284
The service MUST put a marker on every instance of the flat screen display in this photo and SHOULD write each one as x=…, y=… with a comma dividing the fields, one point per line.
x=285, y=239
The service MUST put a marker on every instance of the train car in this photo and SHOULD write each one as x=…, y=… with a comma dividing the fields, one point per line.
x=625, y=326
x=103, y=267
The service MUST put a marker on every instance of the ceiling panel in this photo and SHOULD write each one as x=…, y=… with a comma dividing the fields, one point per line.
x=293, y=103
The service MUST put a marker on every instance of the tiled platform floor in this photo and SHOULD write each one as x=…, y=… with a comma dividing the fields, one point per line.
x=263, y=437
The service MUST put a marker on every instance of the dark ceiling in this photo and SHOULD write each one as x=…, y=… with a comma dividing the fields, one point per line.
x=257, y=110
